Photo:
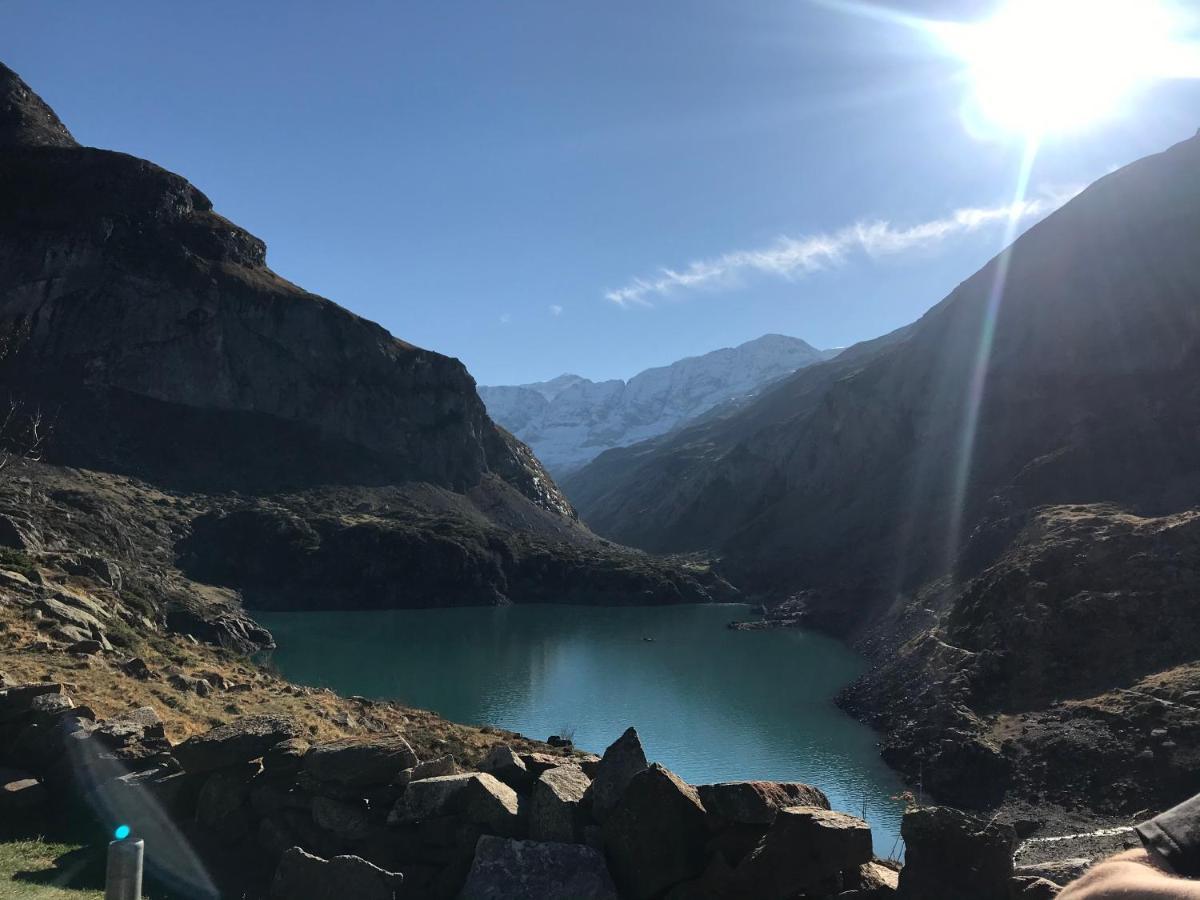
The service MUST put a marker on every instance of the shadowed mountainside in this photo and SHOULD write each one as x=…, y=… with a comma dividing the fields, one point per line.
x=994, y=502
x=152, y=338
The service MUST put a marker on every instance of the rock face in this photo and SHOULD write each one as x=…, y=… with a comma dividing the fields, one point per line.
x=555, y=805
x=355, y=763
x=655, y=836
x=950, y=855
x=569, y=420
x=624, y=759
x=367, y=471
x=806, y=848
x=237, y=742
x=757, y=802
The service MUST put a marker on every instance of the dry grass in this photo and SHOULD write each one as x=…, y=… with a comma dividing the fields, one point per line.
x=99, y=682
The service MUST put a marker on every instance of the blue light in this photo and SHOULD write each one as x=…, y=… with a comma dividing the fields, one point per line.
x=121, y=832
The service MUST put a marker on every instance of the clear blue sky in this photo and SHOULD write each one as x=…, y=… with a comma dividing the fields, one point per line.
x=458, y=171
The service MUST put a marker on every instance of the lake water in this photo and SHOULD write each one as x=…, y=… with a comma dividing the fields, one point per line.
x=711, y=704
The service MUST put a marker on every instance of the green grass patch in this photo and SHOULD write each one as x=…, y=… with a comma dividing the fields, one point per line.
x=46, y=870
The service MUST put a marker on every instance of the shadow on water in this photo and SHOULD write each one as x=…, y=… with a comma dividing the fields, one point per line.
x=710, y=703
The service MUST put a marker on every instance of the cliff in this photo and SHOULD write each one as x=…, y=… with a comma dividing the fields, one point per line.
x=146, y=337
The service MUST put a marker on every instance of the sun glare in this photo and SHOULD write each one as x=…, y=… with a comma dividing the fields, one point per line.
x=1045, y=66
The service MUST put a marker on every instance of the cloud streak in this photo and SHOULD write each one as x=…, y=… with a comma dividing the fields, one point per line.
x=791, y=257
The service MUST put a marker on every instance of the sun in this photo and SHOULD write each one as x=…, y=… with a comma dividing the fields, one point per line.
x=1044, y=66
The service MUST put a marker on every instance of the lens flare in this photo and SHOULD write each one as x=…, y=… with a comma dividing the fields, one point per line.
x=1044, y=66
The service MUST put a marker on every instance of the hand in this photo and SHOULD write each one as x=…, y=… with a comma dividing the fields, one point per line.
x=1132, y=875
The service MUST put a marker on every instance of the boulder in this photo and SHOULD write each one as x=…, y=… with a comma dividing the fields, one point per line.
x=476, y=796
x=805, y=847
x=504, y=869
x=718, y=882
x=950, y=854
x=223, y=805
x=17, y=700
x=347, y=820
x=136, y=738
x=555, y=805
x=88, y=647
x=271, y=796
x=240, y=741
x=302, y=876
x=188, y=684
x=621, y=761
x=757, y=802
x=285, y=758
x=357, y=763
x=502, y=763
x=537, y=763
x=443, y=765
x=136, y=668
x=654, y=837
x=874, y=880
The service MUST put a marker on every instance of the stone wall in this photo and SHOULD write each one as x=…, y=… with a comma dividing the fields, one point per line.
x=368, y=819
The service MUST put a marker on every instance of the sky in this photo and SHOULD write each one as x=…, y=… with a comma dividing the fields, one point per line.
x=597, y=188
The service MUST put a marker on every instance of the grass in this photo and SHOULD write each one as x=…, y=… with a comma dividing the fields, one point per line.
x=45, y=870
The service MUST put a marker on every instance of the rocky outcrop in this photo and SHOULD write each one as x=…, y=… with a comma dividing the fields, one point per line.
x=569, y=420
x=333, y=818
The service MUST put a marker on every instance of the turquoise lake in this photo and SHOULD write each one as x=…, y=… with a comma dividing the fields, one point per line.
x=710, y=703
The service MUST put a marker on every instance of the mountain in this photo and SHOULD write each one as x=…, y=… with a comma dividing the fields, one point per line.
x=324, y=462
x=1013, y=474
x=569, y=420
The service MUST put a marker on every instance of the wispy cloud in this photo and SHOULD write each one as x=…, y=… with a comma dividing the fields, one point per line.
x=555, y=309
x=505, y=318
x=795, y=257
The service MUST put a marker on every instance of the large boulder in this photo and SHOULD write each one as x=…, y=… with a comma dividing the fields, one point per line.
x=504, y=764
x=757, y=802
x=17, y=700
x=431, y=768
x=475, y=796
x=358, y=763
x=556, y=805
x=506, y=869
x=239, y=741
x=348, y=820
x=302, y=876
x=950, y=854
x=621, y=761
x=223, y=805
x=807, y=846
x=286, y=758
x=655, y=836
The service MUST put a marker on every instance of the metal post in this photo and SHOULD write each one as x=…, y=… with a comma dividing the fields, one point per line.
x=124, y=879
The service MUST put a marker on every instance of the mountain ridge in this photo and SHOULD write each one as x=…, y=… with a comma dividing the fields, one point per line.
x=569, y=420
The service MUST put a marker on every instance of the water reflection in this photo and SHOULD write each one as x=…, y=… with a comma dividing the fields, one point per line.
x=710, y=703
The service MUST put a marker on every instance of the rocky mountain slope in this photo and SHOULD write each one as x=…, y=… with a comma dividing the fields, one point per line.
x=143, y=335
x=570, y=420
x=995, y=500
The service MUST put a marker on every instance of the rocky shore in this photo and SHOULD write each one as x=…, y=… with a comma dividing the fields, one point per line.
x=365, y=817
